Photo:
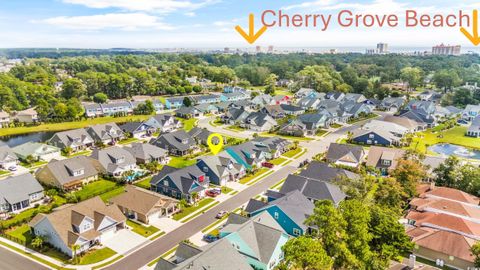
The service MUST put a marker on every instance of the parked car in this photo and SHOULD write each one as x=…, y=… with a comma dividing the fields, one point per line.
x=211, y=193
x=12, y=168
x=462, y=122
x=267, y=165
x=209, y=238
x=221, y=214
x=217, y=190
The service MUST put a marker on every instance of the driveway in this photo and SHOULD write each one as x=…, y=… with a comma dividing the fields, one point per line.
x=124, y=240
x=164, y=224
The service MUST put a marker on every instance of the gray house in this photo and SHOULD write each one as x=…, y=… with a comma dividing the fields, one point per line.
x=8, y=158
x=177, y=143
x=474, y=129
x=344, y=154
x=164, y=122
x=106, y=133
x=114, y=160
x=18, y=193
x=146, y=153
x=76, y=139
x=220, y=170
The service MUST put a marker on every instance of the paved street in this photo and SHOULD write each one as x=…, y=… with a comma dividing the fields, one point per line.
x=204, y=123
x=13, y=261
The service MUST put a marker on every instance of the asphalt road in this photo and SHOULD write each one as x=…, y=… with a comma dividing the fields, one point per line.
x=161, y=245
x=12, y=261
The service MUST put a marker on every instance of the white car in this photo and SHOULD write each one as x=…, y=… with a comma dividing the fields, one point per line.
x=12, y=168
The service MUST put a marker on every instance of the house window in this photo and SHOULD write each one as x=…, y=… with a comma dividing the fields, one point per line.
x=386, y=162
x=296, y=232
x=371, y=135
x=205, y=169
x=276, y=215
x=165, y=183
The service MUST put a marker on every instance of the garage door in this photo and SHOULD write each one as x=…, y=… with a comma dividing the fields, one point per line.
x=109, y=233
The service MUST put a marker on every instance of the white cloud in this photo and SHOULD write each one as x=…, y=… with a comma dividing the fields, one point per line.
x=123, y=21
x=156, y=6
x=190, y=14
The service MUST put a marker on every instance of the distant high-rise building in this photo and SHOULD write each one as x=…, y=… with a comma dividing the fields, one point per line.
x=370, y=51
x=270, y=49
x=258, y=49
x=382, y=48
x=446, y=49
x=226, y=50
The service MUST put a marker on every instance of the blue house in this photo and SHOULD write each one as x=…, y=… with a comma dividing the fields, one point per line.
x=289, y=211
x=206, y=99
x=220, y=170
x=173, y=102
x=232, y=89
x=375, y=137
x=235, y=96
x=180, y=183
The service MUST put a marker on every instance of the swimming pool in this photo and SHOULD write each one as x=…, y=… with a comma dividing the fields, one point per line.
x=456, y=150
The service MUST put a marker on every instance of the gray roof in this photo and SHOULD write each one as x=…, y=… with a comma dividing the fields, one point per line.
x=182, y=178
x=179, y=139
x=200, y=134
x=75, y=137
x=7, y=154
x=133, y=127
x=321, y=171
x=254, y=205
x=337, y=151
x=15, y=189
x=291, y=108
x=296, y=206
x=186, y=110
x=313, y=189
x=146, y=151
x=63, y=170
x=31, y=148
x=105, y=131
x=113, y=157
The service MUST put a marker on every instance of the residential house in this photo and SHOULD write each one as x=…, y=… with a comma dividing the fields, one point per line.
x=92, y=109
x=392, y=104
x=290, y=211
x=84, y=225
x=206, y=99
x=378, y=132
x=293, y=128
x=200, y=135
x=38, y=151
x=174, y=102
x=218, y=255
x=4, y=119
x=260, y=244
x=247, y=154
x=76, y=139
x=205, y=108
x=273, y=146
x=411, y=125
x=235, y=96
x=446, y=112
x=443, y=223
x=137, y=130
x=259, y=121
x=337, y=96
x=106, y=133
x=384, y=159
x=275, y=111
x=164, y=122
x=177, y=143
x=117, y=107
x=303, y=92
x=235, y=116
x=474, y=128
x=146, y=153
x=314, y=121
x=68, y=174
x=289, y=109
x=309, y=102
x=281, y=99
x=26, y=116
x=262, y=100
x=188, y=112
x=157, y=104
x=144, y=205
x=8, y=158
x=233, y=89
x=470, y=112
x=18, y=193
x=420, y=111
x=344, y=154
x=114, y=161
x=430, y=95
x=187, y=183
x=355, y=110
x=221, y=170
x=357, y=98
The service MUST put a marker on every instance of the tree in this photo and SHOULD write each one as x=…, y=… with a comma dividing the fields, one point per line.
x=390, y=194
x=412, y=75
x=306, y=253
x=476, y=253
x=100, y=98
x=73, y=88
x=60, y=110
x=270, y=84
x=446, y=79
x=409, y=173
x=30, y=159
x=37, y=242
x=187, y=102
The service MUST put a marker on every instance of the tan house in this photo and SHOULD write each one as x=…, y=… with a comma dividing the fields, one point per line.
x=85, y=225
x=68, y=174
x=143, y=205
x=27, y=116
x=4, y=119
x=383, y=158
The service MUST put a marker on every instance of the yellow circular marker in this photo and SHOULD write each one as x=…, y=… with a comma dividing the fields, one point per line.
x=215, y=145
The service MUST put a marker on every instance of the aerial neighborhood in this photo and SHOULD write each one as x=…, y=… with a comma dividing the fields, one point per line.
x=320, y=166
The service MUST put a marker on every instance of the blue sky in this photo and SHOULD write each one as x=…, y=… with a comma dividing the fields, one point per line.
x=203, y=23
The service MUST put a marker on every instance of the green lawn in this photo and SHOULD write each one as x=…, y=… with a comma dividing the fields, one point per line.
x=110, y=194
x=225, y=189
x=188, y=210
x=142, y=230
x=128, y=141
x=71, y=125
x=278, y=161
x=97, y=255
x=210, y=206
x=145, y=183
x=188, y=124
x=94, y=189
x=335, y=125
x=355, y=120
x=21, y=232
x=292, y=152
x=216, y=122
x=3, y=172
x=283, y=91
x=454, y=135
x=249, y=178
x=320, y=132
x=291, y=138
x=181, y=162
x=81, y=153
x=235, y=128
x=34, y=164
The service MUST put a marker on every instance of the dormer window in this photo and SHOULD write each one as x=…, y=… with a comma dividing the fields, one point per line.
x=185, y=141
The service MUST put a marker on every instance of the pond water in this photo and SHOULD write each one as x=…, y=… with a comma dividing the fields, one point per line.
x=456, y=150
x=15, y=140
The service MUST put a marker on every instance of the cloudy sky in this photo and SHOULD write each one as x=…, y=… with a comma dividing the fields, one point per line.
x=205, y=23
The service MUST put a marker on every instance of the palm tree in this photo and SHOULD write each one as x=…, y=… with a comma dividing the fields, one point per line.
x=37, y=242
x=194, y=197
x=74, y=253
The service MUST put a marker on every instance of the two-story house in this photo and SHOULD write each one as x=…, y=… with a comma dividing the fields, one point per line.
x=115, y=161
x=177, y=143
x=18, y=193
x=384, y=159
x=163, y=122
x=76, y=139
x=106, y=133
x=220, y=170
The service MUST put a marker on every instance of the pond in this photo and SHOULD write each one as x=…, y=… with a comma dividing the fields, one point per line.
x=456, y=150
x=14, y=140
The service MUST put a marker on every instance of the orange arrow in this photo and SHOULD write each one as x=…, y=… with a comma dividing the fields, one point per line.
x=252, y=36
x=474, y=37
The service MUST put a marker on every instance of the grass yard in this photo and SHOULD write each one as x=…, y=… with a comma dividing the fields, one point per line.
x=94, y=189
x=188, y=124
x=225, y=189
x=142, y=230
x=249, y=178
x=454, y=135
x=145, y=183
x=3, y=172
x=128, y=141
x=283, y=91
x=320, y=132
x=81, y=153
x=216, y=123
x=97, y=255
x=335, y=125
x=34, y=164
x=188, y=210
x=71, y=125
x=181, y=162
x=291, y=138
x=278, y=161
x=21, y=232
x=235, y=128
x=112, y=193
x=355, y=120
x=292, y=152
